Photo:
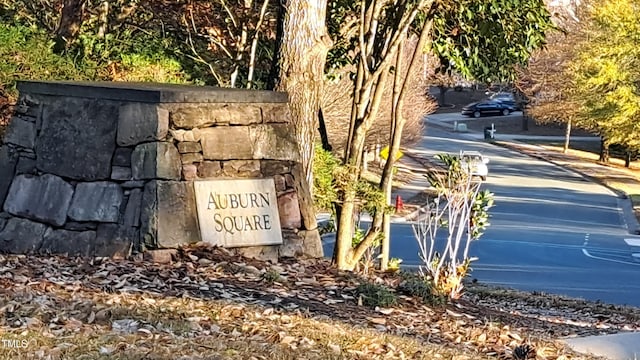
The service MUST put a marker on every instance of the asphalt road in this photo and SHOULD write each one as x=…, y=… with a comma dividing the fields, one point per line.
x=551, y=229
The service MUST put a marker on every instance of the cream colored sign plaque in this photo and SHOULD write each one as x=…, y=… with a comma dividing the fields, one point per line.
x=235, y=213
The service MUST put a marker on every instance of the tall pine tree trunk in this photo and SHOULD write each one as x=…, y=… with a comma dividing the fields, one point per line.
x=303, y=53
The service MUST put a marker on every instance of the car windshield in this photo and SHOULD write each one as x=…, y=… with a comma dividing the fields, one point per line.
x=502, y=96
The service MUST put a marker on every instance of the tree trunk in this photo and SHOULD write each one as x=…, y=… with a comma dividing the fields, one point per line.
x=254, y=44
x=103, y=19
x=627, y=159
x=368, y=92
x=303, y=54
x=604, y=150
x=567, y=137
x=525, y=119
x=322, y=128
x=343, y=251
x=397, y=126
x=275, y=61
x=70, y=23
x=395, y=131
x=441, y=95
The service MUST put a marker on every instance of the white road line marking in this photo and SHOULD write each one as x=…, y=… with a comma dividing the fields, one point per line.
x=633, y=241
x=586, y=253
x=586, y=240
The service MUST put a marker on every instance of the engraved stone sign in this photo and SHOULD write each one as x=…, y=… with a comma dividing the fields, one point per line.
x=235, y=213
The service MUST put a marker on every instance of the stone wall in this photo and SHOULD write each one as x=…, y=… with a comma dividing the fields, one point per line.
x=106, y=169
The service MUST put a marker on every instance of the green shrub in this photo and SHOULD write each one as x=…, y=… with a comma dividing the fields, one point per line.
x=129, y=56
x=324, y=189
x=416, y=286
x=27, y=54
x=373, y=295
x=271, y=276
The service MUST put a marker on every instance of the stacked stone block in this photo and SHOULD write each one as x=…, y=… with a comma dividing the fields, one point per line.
x=104, y=169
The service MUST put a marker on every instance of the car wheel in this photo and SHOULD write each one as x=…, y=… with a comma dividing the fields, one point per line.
x=476, y=114
x=505, y=112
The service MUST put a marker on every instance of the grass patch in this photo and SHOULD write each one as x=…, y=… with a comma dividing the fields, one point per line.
x=170, y=328
x=375, y=295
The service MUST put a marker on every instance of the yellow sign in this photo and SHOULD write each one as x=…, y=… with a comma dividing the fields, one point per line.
x=384, y=153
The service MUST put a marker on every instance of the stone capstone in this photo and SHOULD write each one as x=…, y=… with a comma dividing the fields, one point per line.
x=8, y=162
x=43, y=198
x=72, y=243
x=168, y=216
x=97, y=201
x=21, y=132
x=77, y=139
x=138, y=123
x=21, y=236
x=156, y=160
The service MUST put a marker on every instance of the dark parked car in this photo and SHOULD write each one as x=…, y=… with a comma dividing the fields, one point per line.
x=487, y=107
x=505, y=97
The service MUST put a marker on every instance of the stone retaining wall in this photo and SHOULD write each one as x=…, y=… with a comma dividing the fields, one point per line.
x=104, y=169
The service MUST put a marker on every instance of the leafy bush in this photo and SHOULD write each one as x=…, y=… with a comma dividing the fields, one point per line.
x=417, y=286
x=373, y=295
x=460, y=209
x=324, y=190
x=27, y=54
x=271, y=276
x=130, y=56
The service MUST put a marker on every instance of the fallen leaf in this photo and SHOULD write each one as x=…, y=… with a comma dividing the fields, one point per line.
x=287, y=340
x=379, y=321
x=335, y=349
